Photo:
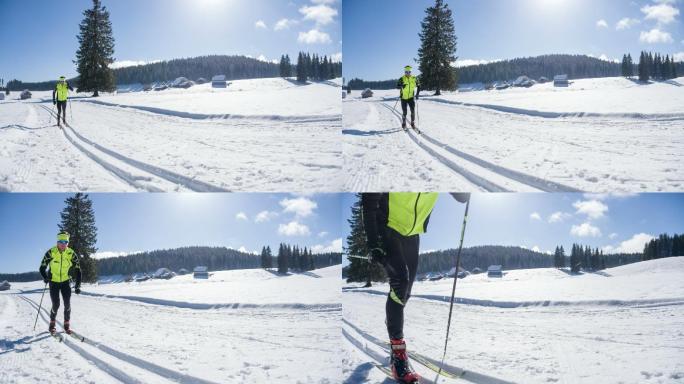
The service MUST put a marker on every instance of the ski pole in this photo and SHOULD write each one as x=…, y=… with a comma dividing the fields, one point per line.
x=39, y=307
x=395, y=105
x=71, y=112
x=453, y=288
x=53, y=112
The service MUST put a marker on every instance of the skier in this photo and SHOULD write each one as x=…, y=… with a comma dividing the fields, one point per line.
x=60, y=259
x=393, y=222
x=408, y=85
x=61, y=92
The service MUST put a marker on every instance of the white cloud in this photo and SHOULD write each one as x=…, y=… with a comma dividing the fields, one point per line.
x=108, y=254
x=314, y=36
x=322, y=234
x=323, y=1
x=594, y=209
x=536, y=248
x=260, y=24
x=601, y=24
x=293, y=228
x=535, y=216
x=585, y=230
x=679, y=56
x=300, y=206
x=604, y=57
x=626, y=23
x=558, y=217
x=241, y=216
x=264, y=216
x=284, y=24
x=612, y=235
x=245, y=250
x=655, y=36
x=633, y=245
x=469, y=62
x=131, y=63
x=322, y=14
x=662, y=13
x=336, y=57
x=333, y=246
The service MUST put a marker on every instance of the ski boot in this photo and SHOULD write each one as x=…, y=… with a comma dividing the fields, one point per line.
x=401, y=368
x=52, y=329
x=403, y=124
x=67, y=327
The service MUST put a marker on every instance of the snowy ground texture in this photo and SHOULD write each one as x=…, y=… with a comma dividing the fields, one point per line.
x=157, y=336
x=255, y=135
x=597, y=135
x=623, y=325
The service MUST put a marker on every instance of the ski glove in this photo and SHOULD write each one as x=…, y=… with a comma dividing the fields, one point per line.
x=77, y=289
x=377, y=255
x=46, y=280
x=54, y=102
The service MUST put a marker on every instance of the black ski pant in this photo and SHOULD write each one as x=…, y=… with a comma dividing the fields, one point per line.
x=65, y=289
x=411, y=103
x=61, y=110
x=400, y=264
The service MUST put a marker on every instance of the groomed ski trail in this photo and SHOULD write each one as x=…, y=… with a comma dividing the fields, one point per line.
x=121, y=356
x=474, y=169
x=147, y=177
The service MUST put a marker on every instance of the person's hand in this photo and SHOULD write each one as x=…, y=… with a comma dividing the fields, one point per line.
x=46, y=280
x=54, y=102
x=377, y=255
x=77, y=289
x=416, y=97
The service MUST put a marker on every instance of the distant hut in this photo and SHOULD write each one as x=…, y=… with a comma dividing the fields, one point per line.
x=182, y=271
x=219, y=81
x=201, y=80
x=366, y=93
x=561, y=81
x=495, y=271
x=543, y=80
x=26, y=94
x=200, y=272
x=4, y=286
x=2, y=96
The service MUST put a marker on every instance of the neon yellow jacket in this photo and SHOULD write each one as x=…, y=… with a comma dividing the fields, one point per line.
x=60, y=263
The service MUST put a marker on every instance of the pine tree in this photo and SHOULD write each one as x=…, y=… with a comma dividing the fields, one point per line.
x=78, y=219
x=360, y=270
x=437, y=49
x=96, y=50
x=630, y=66
x=301, y=68
x=561, y=263
x=282, y=259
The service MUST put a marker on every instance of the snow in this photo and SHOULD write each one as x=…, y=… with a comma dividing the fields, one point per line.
x=624, y=326
x=257, y=135
x=598, y=135
x=150, y=342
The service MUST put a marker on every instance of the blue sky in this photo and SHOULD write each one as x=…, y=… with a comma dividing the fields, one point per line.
x=147, y=221
x=544, y=220
x=39, y=37
x=381, y=36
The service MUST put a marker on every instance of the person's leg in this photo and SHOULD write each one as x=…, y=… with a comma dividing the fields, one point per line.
x=66, y=295
x=411, y=245
x=398, y=274
x=62, y=105
x=59, y=111
x=54, y=297
x=403, y=112
x=412, y=104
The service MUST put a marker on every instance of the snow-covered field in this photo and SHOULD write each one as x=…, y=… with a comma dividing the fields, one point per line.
x=255, y=135
x=597, y=135
x=622, y=326
x=269, y=329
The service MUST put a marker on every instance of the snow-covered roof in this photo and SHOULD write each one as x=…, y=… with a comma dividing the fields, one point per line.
x=219, y=78
x=560, y=78
x=200, y=269
x=494, y=268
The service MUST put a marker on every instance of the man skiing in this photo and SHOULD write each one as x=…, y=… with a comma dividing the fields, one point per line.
x=61, y=259
x=409, y=89
x=59, y=97
x=393, y=222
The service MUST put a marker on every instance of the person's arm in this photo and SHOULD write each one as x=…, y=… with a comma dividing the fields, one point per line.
x=69, y=86
x=54, y=91
x=417, y=87
x=370, y=203
x=77, y=272
x=43, y=267
x=400, y=84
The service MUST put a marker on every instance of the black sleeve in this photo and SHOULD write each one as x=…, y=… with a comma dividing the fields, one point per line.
x=69, y=86
x=400, y=84
x=77, y=269
x=370, y=203
x=44, y=264
x=53, y=93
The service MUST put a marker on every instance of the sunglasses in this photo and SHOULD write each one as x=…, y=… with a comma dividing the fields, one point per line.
x=63, y=242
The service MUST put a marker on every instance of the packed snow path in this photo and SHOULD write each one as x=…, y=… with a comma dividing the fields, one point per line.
x=110, y=148
x=171, y=345
x=582, y=338
x=484, y=149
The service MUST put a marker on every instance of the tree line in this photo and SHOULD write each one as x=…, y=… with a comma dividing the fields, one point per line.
x=311, y=67
x=295, y=258
x=664, y=246
x=651, y=66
